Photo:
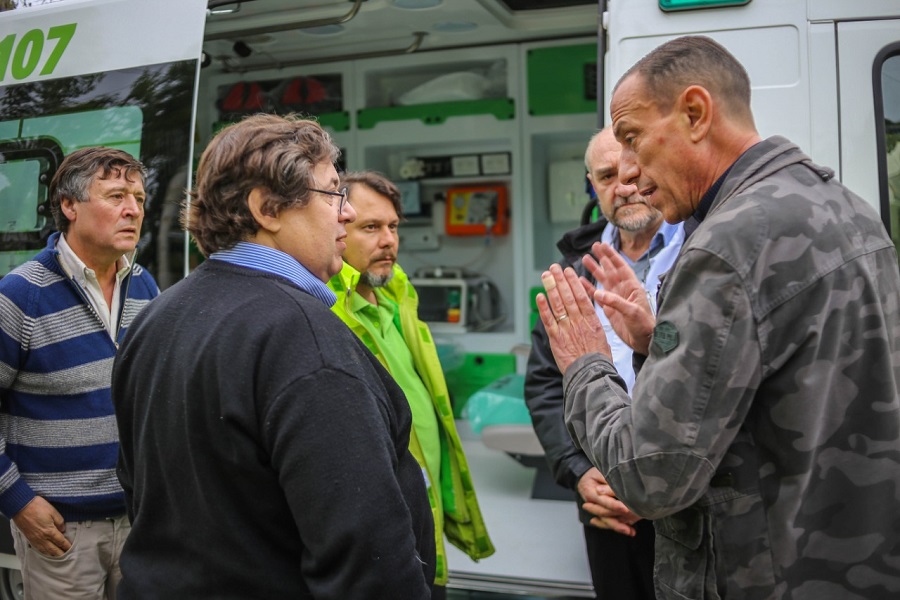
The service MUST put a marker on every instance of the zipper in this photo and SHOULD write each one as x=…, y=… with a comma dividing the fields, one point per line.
x=123, y=295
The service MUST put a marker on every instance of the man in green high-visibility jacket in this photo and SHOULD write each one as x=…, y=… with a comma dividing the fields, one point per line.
x=377, y=301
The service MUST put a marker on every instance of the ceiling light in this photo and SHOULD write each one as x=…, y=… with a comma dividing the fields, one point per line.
x=324, y=30
x=416, y=4
x=454, y=26
x=263, y=39
x=225, y=9
x=525, y=5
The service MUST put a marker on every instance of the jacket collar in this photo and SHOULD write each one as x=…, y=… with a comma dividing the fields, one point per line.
x=576, y=243
x=345, y=282
x=760, y=161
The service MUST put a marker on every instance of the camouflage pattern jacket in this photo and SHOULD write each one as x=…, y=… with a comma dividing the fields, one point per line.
x=763, y=436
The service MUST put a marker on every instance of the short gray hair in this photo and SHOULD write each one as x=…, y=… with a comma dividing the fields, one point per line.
x=694, y=60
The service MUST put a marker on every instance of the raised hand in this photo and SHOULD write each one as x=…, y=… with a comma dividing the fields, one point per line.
x=623, y=298
x=567, y=311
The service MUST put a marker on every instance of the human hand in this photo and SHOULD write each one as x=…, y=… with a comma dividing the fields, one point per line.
x=623, y=297
x=600, y=501
x=43, y=527
x=572, y=325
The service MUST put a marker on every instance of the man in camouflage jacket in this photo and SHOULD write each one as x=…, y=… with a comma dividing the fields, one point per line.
x=763, y=435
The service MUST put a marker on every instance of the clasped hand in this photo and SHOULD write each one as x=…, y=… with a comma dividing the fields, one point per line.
x=607, y=512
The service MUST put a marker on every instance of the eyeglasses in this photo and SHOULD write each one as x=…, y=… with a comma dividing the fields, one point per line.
x=343, y=193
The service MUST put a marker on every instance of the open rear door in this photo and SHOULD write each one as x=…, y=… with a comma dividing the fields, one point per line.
x=869, y=81
x=119, y=73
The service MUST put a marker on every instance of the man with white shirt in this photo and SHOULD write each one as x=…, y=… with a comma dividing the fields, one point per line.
x=63, y=315
x=619, y=545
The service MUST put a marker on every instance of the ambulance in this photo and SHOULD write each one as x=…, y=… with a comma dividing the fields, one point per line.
x=490, y=101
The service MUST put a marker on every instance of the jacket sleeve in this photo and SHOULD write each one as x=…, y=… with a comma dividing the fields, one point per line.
x=544, y=398
x=660, y=449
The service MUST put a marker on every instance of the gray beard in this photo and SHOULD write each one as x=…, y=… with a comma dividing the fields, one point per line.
x=635, y=223
x=375, y=281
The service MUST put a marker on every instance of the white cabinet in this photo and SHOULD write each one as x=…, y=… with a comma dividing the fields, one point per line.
x=447, y=124
x=559, y=117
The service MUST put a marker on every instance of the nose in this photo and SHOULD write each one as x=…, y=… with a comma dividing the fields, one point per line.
x=347, y=213
x=625, y=190
x=132, y=207
x=628, y=168
x=388, y=238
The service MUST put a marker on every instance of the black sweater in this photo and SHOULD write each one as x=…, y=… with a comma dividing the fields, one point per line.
x=263, y=451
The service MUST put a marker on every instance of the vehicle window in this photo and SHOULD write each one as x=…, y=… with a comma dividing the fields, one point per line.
x=890, y=90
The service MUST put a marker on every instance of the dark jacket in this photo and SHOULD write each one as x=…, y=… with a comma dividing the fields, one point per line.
x=543, y=381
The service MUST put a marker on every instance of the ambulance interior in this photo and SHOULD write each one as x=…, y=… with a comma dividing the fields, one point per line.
x=473, y=107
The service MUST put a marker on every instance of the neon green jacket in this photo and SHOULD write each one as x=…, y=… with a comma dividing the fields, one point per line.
x=460, y=517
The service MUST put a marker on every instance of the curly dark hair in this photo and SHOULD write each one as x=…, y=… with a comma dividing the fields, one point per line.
x=76, y=173
x=274, y=153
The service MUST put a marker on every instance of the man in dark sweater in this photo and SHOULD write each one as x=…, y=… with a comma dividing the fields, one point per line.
x=264, y=449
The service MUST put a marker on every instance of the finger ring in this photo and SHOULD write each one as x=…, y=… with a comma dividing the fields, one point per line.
x=562, y=317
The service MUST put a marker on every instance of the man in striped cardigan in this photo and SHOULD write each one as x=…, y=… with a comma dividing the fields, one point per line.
x=62, y=315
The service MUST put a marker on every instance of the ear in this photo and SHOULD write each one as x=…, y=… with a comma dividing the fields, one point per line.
x=67, y=205
x=696, y=105
x=256, y=200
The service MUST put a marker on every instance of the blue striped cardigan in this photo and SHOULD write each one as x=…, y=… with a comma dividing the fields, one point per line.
x=58, y=435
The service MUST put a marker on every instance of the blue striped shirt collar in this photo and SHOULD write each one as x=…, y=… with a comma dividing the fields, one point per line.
x=270, y=260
